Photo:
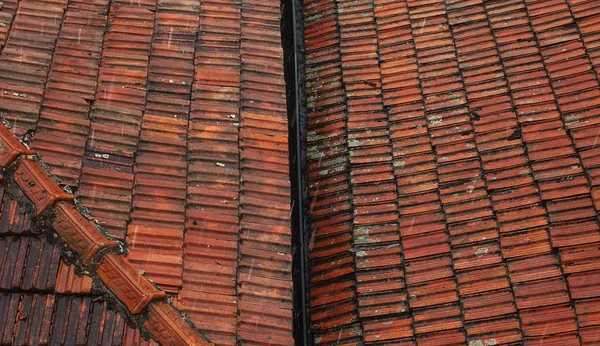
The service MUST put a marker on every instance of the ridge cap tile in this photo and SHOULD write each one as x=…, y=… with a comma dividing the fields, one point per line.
x=10, y=147
x=79, y=233
x=144, y=303
x=38, y=186
x=180, y=333
x=126, y=282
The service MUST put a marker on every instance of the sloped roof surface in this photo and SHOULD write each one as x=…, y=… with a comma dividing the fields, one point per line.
x=453, y=171
x=167, y=118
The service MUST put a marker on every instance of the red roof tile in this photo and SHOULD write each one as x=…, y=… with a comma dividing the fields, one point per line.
x=168, y=122
x=158, y=252
x=30, y=183
x=451, y=153
x=491, y=112
x=69, y=282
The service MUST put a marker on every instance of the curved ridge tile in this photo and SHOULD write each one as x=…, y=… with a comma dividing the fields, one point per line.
x=96, y=255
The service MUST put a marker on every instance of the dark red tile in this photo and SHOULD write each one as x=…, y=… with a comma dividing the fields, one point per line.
x=533, y=268
x=541, y=293
x=437, y=319
x=584, y=285
x=432, y=293
x=487, y=305
x=588, y=312
x=388, y=329
x=567, y=339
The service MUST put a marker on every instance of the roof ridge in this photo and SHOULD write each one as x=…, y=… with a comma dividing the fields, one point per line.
x=86, y=245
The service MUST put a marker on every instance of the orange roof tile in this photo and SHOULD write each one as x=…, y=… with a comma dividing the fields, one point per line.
x=167, y=121
x=38, y=190
x=452, y=147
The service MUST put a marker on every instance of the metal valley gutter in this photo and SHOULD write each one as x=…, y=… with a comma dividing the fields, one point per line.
x=292, y=32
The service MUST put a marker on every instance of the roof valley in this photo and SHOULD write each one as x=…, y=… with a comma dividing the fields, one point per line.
x=264, y=284
x=333, y=280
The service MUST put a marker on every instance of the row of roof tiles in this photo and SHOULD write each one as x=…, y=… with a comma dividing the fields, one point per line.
x=206, y=106
x=488, y=176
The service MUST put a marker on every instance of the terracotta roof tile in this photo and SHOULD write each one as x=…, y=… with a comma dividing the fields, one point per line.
x=77, y=310
x=582, y=232
x=473, y=231
x=487, y=305
x=436, y=319
x=388, y=329
x=495, y=172
x=478, y=255
x=587, y=312
x=74, y=67
x=452, y=164
x=328, y=317
x=450, y=338
x=87, y=68
x=589, y=336
x=432, y=293
x=158, y=252
x=132, y=336
x=559, y=339
x=13, y=221
x=346, y=336
x=77, y=235
x=582, y=285
x=541, y=293
x=540, y=321
x=344, y=290
x=371, y=304
x=68, y=282
x=533, y=268
x=40, y=28
x=110, y=208
x=526, y=243
x=28, y=271
x=482, y=279
x=428, y=269
x=499, y=330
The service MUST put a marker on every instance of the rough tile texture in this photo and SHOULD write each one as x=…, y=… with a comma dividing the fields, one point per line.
x=452, y=150
x=167, y=119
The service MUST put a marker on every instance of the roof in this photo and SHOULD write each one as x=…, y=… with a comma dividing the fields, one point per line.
x=167, y=120
x=453, y=171
x=56, y=218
